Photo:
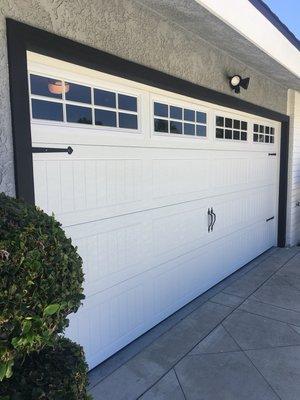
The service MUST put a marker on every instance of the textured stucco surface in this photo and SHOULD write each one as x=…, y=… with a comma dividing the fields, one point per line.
x=132, y=31
x=189, y=14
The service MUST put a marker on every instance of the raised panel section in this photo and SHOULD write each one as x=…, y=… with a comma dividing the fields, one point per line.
x=108, y=320
x=230, y=172
x=179, y=229
x=87, y=189
x=175, y=179
x=239, y=210
x=263, y=169
x=113, y=250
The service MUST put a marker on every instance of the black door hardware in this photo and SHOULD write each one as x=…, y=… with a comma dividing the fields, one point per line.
x=214, y=219
x=68, y=150
x=272, y=154
x=210, y=219
x=269, y=219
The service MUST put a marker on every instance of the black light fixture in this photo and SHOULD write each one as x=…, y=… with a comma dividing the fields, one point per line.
x=236, y=82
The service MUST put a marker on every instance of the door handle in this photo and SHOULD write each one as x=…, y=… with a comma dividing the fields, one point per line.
x=210, y=219
x=214, y=219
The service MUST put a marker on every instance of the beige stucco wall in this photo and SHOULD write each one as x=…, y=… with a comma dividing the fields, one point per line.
x=129, y=30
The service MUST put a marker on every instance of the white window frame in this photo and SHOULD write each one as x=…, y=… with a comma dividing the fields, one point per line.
x=233, y=117
x=265, y=124
x=169, y=101
x=92, y=106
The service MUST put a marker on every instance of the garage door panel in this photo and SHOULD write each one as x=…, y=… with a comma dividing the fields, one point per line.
x=176, y=283
x=178, y=229
x=239, y=210
x=92, y=189
x=116, y=249
x=231, y=171
x=157, y=293
x=111, y=325
x=263, y=169
x=228, y=170
x=129, y=308
x=135, y=198
x=112, y=250
x=180, y=179
x=84, y=185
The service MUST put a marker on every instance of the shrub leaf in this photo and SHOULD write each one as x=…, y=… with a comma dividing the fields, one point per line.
x=51, y=309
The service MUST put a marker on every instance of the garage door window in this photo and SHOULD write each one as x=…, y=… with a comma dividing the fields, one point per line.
x=58, y=100
x=231, y=129
x=179, y=120
x=263, y=134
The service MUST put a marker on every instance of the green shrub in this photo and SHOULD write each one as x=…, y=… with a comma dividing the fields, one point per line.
x=54, y=373
x=40, y=280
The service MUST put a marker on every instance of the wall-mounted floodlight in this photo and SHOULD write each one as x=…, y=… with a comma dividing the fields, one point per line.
x=236, y=82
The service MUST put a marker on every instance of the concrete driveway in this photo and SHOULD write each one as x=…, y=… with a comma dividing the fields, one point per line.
x=238, y=341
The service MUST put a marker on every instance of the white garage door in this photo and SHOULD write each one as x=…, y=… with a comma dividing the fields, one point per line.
x=164, y=195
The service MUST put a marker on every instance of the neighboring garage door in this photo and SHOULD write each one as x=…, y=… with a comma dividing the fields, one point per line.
x=164, y=195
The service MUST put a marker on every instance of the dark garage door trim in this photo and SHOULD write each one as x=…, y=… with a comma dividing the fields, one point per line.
x=22, y=37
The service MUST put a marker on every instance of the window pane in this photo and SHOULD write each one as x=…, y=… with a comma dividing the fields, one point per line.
x=272, y=131
x=219, y=133
x=267, y=139
x=219, y=121
x=244, y=126
x=46, y=86
x=160, y=125
x=228, y=122
x=243, y=135
x=127, y=102
x=104, y=98
x=236, y=124
x=261, y=128
x=189, y=115
x=128, y=121
x=189, y=129
x=201, y=117
x=267, y=130
x=105, y=118
x=175, y=112
x=79, y=93
x=261, y=138
x=200, y=130
x=236, y=135
x=160, y=110
x=228, y=134
x=255, y=137
x=271, y=139
x=175, y=127
x=47, y=110
x=80, y=115
x=255, y=128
